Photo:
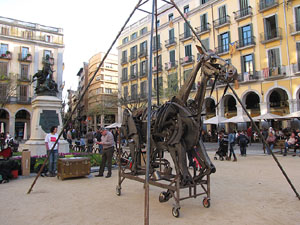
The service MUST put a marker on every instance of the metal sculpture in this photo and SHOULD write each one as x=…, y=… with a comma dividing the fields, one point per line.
x=176, y=128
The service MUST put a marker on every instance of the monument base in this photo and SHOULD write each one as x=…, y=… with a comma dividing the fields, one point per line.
x=46, y=113
x=38, y=148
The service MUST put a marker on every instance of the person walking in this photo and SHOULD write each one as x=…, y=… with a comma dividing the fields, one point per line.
x=107, y=140
x=231, y=140
x=271, y=141
x=98, y=136
x=249, y=134
x=243, y=141
x=69, y=138
x=90, y=140
x=53, y=155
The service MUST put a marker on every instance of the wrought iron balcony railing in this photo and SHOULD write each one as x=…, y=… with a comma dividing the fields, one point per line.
x=222, y=49
x=170, y=42
x=249, y=76
x=267, y=4
x=157, y=68
x=133, y=76
x=143, y=73
x=124, y=78
x=51, y=60
x=203, y=29
x=124, y=60
x=243, y=13
x=171, y=65
x=187, y=60
x=294, y=28
x=272, y=35
x=156, y=48
x=133, y=57
x=245, y=42
x=222, y=21
x=185, y=36
x=25, y=58
x=143, y=53
x=23, y=100
x=5, y=55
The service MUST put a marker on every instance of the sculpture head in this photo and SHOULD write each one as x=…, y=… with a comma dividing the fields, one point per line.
x=213, y=65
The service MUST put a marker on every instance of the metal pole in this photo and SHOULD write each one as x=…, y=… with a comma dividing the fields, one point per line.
x=157, y=45
x=85, y=90
x=146, y=209
x=264, y=141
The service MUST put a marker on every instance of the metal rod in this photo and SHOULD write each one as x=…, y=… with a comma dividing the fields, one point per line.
x=187, y=22
x=156, y=34
x=85, y=90
x=146, y=209
x=265, y=142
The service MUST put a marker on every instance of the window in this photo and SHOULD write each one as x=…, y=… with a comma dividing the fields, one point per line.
x=98, y=78
x=297, y=18
x=186, y=75
x=171, y=16
x=99, y=91
x=3, y=91
x=108, y=78
x=171, y=36
x=3, y=69
x=156, y=40
x=47, y=52
x=133, y=52
x=172, y=56
x=158, y=58
x=143, y=31
x=245, y=35
x=124, y=74
x=188, y=50
x=108, y=90
x=205, y=42
x=5, y=30
x=134, y=36
x=274, y=58
x=124, y=56
x=143, y=90
x=47, y=38
x=172, y=83
x=298, y=55
x=3, y=49
x=160, y=85
x=25, y=52
x=125, y=40
x=125, y=92
x=23, y=92
x=158, y=23
x=203, y=22
x=134, y=91
x=108, y=65
x=204, y=1
x=222, y=15
x=186, y=9
x=143, y=48
x=24, y=71
x=187, y=30
x=223, y=41
x=133, y=71
x=243, y=4
x=271, y=27
x=247, y=63
x=143, y=68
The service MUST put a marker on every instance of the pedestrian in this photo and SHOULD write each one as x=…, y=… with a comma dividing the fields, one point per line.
x=90, y=140
x=265, y=134
x=53, y=155
x=69, y=138
x=65, y=134
x=232, y=140
x=290, y=143
x=243, y=141
x=107, y=140
x=249, y=134
x=271, y=141
x=82, y=144
x=98, y=136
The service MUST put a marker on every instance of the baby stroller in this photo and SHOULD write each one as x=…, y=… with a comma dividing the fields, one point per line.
x=223, y=149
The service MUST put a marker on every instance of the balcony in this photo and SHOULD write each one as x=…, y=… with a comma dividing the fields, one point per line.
x=133, y=76
x=187, y=60
x=143, y=53
x=133, y=57
x=296, y=68
x=221, y=22
x=274, y=72
x=51, y=60
x=6, y=55
x=170, y=42
x=143, y=95
x=223, y=49
x=23, y=100
x=124, y=78
x=295, y=28
x=25, y=58
x=24, y=78
x=246, y=43
x=203, y=29
x=124, y=60
x=4, y=77
x=243, y=13
x=171, y=65
x=143, y=73
x=155, y=47
x=273, y=35
x=248, y=76
x=186, y=36
x=156, y=69
x=264, y=5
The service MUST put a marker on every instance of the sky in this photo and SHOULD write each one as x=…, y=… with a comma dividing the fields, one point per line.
x=90, y=26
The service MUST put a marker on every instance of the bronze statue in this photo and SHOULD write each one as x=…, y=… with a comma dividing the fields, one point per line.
x=45, y=84
x=176, y=125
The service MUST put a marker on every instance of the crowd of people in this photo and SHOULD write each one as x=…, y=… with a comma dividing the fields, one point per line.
x=243, y=138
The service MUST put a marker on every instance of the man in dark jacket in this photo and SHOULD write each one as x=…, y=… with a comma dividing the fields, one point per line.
x=243, y=141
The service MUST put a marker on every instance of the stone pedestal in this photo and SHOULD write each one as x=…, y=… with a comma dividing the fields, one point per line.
x=46, y=113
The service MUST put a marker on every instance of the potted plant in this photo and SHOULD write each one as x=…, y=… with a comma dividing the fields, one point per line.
x=8, y=54
x=29, y=57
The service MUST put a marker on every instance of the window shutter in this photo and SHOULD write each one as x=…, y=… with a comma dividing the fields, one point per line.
x=240, y=34
x=229, y=39
x=242, y=66
x=219, y=41
x=253, y=62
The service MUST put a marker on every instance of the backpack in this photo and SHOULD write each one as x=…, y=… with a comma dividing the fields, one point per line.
x=243, y=139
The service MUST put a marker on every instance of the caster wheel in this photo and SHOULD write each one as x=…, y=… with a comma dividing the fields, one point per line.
x=118, y=191
x=215, y=158
x=163, y=197
x=175, y=212
x=206, y=202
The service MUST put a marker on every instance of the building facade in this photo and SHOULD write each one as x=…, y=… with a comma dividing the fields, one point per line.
x=23, y=48
x=259, y=37
x=103, y=92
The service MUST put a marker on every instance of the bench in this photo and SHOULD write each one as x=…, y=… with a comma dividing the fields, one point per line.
x=279, y=144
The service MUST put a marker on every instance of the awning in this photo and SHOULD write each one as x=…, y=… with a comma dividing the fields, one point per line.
x=292, y=115
x=114, y=125
x=268, y=116
x=238, y=119
x=215, y=120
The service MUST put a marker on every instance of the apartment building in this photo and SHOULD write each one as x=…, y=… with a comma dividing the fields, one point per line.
x=102, y=94
x=259, y=37
x=23, y=49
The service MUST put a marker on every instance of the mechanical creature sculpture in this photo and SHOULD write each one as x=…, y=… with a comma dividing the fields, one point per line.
x=176, y=125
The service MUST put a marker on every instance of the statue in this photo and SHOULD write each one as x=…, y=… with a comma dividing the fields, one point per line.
x=45, y=84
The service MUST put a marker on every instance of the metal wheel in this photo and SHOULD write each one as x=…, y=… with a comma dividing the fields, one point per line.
x=118, y=191
x=206, y=202
x=163, y=197
x=175, y=212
